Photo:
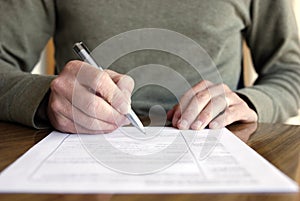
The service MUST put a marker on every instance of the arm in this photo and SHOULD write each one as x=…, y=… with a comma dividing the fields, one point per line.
x=26, y=98
x=26, y=27
x=273, y=40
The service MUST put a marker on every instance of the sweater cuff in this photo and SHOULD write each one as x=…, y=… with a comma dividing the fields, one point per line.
x=41, y=120
x=29, y=100
x=262, y=103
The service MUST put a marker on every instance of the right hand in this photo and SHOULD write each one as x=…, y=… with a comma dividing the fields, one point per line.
x=84, y=99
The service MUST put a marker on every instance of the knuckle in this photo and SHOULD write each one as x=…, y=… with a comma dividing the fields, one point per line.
x=125, y=81
x=130, y=79
x=203, y=96
x=206, y=82
x=72, y=65
x=206, y=115
x=225, y=87
x=229, y=112
x=55, y=105
x=177, y=110
x=69, y=67
x=92, y=106
x=102, y=77
x=66, y=110
x=218, y=90
x=230, y=94
x=221, y=101
x=244, y=104
x=57, y=84
x=201, y=86
x=117, y=98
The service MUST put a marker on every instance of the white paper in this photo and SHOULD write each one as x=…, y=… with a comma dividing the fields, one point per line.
x=208, y=161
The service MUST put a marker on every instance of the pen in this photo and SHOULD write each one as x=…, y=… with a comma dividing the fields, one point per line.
x=83, y=52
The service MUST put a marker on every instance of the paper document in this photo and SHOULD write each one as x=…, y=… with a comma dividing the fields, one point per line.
x=166, y=161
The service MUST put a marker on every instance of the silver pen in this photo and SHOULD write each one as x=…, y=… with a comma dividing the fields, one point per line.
x=83, y=52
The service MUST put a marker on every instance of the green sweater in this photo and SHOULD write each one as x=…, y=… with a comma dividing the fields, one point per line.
x=219, y=26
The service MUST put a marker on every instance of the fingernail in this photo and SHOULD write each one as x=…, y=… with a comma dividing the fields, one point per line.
x=183, y=124
x=197, y=125
x=214, y=125
x=124, y=108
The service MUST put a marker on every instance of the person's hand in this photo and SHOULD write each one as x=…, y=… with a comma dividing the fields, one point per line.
x=86, y=100
x=210, y=104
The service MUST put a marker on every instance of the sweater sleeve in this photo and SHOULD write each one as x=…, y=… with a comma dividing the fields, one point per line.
x=26, y=26
x=273, y=39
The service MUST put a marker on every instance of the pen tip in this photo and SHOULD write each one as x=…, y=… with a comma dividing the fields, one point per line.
x=142, y=130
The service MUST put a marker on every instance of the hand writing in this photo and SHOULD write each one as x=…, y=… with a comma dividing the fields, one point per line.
x=86, y=100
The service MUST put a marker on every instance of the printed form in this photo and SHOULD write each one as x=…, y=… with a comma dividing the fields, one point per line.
x=166, y=160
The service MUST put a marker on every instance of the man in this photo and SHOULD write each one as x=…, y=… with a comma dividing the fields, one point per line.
x=219, y=27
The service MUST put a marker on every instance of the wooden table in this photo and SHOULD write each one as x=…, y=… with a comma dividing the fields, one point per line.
x=279, y=144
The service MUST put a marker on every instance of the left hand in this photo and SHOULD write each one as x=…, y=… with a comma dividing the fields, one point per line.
x=210, y=104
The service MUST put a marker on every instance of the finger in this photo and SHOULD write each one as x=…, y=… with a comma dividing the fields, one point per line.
x=215, y=107
x=81, y=120
x=197, y=104
x=102, y=84
x=63, y=85
x=238, y=112
x=235, y=109
x=124, y=82
x=62, y=123
x=94, y=106
x=73, y=68
x=85, y=100
x=99, y=121
x=83, y=130
x=187, y=97
x=67, y=118
x=189, y=110
x=59, y=121
x=171, y=112
x=176, y=116
x=66, y=125
x=222, y=120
